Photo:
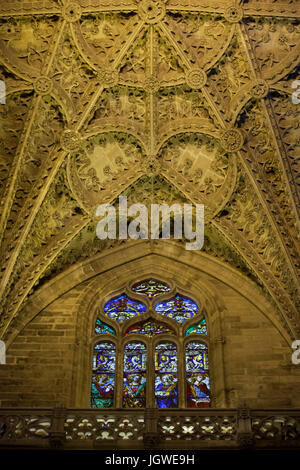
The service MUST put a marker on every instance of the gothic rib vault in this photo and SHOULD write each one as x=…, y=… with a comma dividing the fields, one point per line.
x=189, y=100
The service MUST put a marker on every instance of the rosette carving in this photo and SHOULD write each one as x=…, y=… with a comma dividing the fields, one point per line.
x=233, y=14
x=151, y=11
x=259, y=89
x=72, y=12
x=232, y=140
x=43, y=85
x=70, y=140
x=151, y=84
x=196, y=78
x=108, y=77
x=151, y=166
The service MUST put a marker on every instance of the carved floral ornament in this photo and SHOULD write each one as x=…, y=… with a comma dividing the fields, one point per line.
x=71, y=12
x=233, y=14
x=108, y=77
x=70, y=140
x=152, y=58
x=151, y=11
x=232, y=140
x=151, y=165
x=43, y=85
x=151, y=84
x=196, y=78
x=259, y=89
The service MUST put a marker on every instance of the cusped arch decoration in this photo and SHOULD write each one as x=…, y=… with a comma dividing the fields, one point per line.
x=189, y=159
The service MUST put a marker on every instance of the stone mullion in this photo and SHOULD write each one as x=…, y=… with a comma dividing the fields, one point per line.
x=181, y=372
x=150, y=387
x=119, y=374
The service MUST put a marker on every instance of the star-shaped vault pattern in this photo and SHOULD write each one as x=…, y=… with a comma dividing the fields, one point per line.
x=190, y=100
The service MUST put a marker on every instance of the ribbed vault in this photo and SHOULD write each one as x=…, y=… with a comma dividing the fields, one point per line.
x=181, y=100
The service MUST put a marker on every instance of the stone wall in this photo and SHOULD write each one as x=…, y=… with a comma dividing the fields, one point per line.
x=47, y=362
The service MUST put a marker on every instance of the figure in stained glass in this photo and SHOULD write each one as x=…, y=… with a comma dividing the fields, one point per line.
x=136, y=371
x=102, y=391
x=123, y=308
x=198, y=391
x=103, y=378
x=198, y=384
x=150, y=287
x=166, y=390
x=150, y=328
x=134, y=382
x=134, y=391
x=179, y=308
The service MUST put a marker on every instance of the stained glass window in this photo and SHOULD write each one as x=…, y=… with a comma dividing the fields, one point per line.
x=150, y=287
x=137, y=365
x=166, y=388
x=150, y=328
x=134, y=380
x=179, y=308
x=197, y=378
x=198, y=328
x=102, y=328
x=103, y=378
x=123, y=308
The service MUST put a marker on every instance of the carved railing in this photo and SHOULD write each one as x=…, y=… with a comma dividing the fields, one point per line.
x=149, y=429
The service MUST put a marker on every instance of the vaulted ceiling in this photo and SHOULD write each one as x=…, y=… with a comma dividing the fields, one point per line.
x=176, y=100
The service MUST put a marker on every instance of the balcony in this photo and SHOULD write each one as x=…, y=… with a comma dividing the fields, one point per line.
x=90, y=429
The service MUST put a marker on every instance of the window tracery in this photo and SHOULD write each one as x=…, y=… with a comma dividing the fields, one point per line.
x=143, y=361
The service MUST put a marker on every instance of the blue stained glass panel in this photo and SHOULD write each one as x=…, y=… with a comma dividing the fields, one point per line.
x=103, y=378
x=102, y=328
x=150, y=287
x=166, y=380
x=123, y=308
x=134, y=381
x=197, y=377
x=179, y=308
x=199, y=328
